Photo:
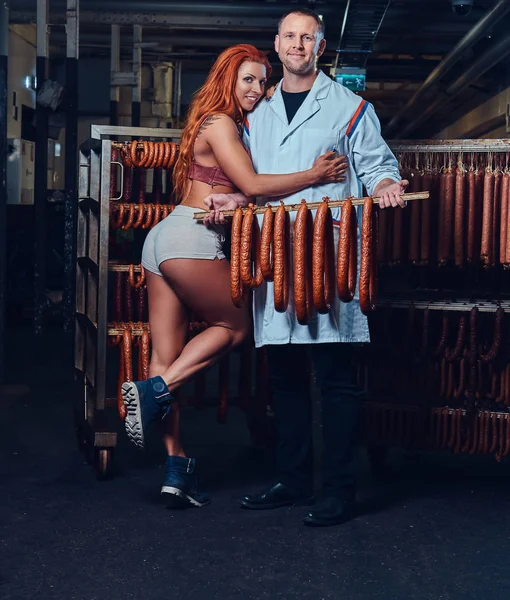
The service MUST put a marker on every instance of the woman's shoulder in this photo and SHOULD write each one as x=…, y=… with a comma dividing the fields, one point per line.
x=217, y=121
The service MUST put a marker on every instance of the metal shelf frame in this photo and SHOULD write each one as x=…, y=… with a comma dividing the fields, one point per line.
x=95, y=432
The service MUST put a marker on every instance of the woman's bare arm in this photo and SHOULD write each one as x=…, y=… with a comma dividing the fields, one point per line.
x=223, y=139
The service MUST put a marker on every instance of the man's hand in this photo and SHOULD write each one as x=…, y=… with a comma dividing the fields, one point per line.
x=218, y=203
x=390, y=192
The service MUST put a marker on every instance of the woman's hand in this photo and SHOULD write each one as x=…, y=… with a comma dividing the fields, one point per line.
x=330, y=167
x=270, y=92
x=218, y=203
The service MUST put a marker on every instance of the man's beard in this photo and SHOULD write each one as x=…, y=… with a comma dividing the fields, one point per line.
x=302, y=69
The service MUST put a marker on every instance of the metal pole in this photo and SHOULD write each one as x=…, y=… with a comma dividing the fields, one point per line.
x=41, y=169
x=114, y=68
x=178, y=92
x=4, y=35
x=71, y=166
x=137, y=70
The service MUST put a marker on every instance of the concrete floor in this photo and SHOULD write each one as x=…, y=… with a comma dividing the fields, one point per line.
x=435, y=527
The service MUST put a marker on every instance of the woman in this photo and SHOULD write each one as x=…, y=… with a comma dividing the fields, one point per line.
x=186, y=268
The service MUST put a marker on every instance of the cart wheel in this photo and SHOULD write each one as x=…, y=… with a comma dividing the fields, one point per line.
x=377, y=456
x=103, y=463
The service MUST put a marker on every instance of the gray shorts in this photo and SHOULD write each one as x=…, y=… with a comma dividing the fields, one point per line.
x=180, y=236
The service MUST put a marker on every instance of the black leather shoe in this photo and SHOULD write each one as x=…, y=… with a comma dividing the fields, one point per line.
x=276, y=496
x=330, y=511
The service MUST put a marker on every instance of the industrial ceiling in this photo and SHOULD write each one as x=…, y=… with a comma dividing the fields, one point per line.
x=400, y=42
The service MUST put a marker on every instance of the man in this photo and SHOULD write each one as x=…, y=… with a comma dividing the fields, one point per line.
x=308, y=115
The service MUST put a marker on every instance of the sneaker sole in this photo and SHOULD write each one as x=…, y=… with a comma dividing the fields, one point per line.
x=178, y=499
x=133, y=421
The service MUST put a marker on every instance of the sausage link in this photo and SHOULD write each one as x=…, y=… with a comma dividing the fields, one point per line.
x=133, y=153
x=266, y=245
x=301, y=274
x=281, y=251
x=128, y=295
x=141, y=215
x=236, y=287
x=173, y=156
x=496, y=340
x=347, y=252
x=146, y=154
x=366, y=261
x=113, y=173
x=454, y=354
x=496, y=214
x=131, y=217
x=166, y=154
x=441, y=203
x=144, y=350
x=140, y=280
x=157, y=215
x=504, y=257
x=165, y=211
x=450, y=384
x=488, y=188
x=471, y=229
x=246, y=246
x=118, y=222
x=449, y=209
x=149, y=211
x=322, y=278
x=414, y=232
x=131, y=277
x=141, y=302
x=257, y=279
x=426, y=209
x=444, y=336
x=458, y=238
x=127, y=180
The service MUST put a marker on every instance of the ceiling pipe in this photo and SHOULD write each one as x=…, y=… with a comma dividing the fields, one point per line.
x=490, y=19
x=490, y=58
x=190, y=7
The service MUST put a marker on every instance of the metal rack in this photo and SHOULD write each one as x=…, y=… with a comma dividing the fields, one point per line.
x=96, y=432
x=399, y=295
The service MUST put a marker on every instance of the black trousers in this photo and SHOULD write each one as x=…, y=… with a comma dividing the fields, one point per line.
x=290, y=382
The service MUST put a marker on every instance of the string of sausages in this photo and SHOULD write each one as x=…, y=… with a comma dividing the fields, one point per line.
x=131, y=210
x=264, y=254
x=466, y=220
x=461, y=360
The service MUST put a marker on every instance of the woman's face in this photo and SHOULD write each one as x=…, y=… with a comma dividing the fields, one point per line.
x=251, y=83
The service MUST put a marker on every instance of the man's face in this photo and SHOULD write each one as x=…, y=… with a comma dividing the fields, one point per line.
x=299, y=43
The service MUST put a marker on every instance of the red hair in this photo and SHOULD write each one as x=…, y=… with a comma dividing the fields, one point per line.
x=217, y=95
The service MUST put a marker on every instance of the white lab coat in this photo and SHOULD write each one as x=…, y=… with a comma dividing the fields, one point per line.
x=321, y=123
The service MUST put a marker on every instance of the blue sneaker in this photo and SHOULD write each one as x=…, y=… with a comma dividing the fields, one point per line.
x=145, y=401
x=181, y=485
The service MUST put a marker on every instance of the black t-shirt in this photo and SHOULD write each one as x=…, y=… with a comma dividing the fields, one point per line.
x=293, y=101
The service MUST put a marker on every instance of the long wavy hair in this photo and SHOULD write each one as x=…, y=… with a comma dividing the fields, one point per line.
x=216, y=96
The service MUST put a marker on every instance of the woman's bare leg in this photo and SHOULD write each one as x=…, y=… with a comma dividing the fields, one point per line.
x=169, y=322
x=203, y=286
